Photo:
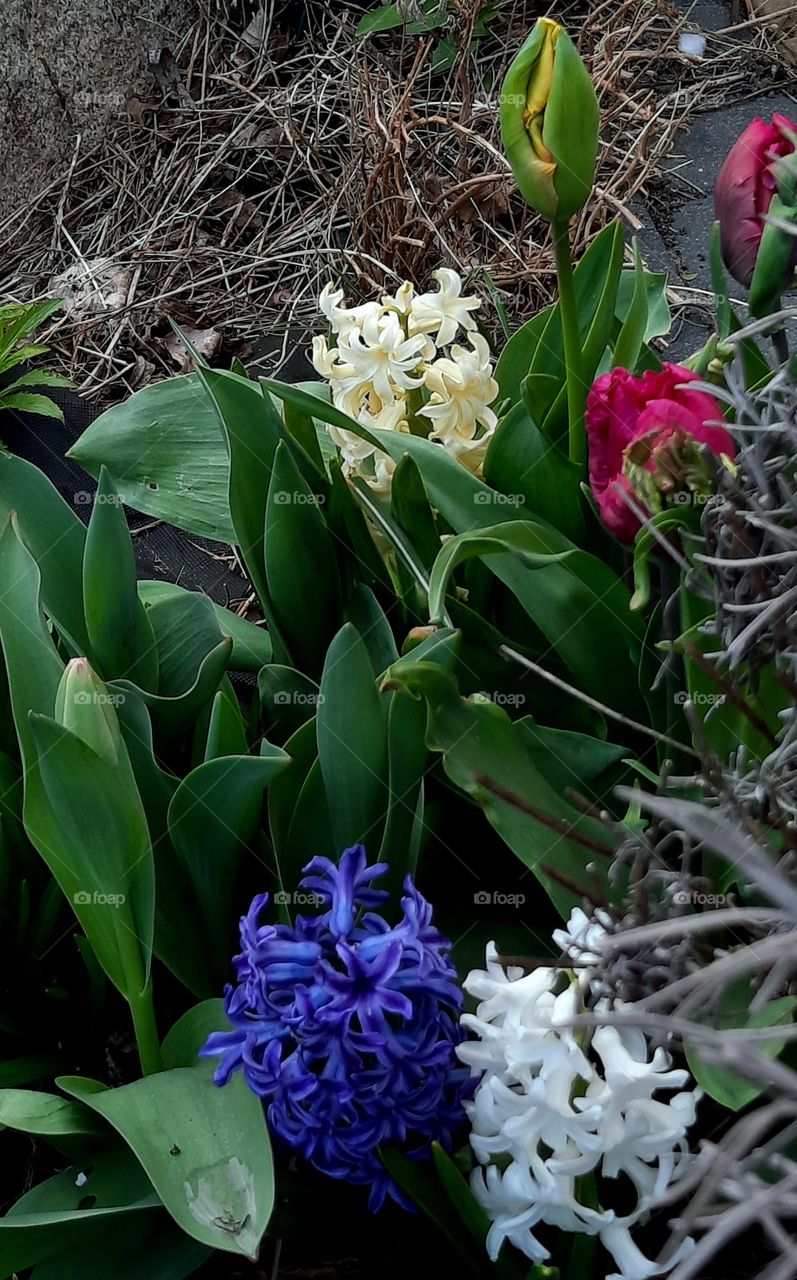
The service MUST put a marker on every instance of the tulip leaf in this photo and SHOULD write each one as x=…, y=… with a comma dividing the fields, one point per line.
x=659, y=319
x=537, y=348
x=205, y=1150
x=478, y=741
x=251, y=429
x=632, y=331
x=410, y=508
x=124, y=1251
x=300, y=565
x=214, y=819
x=349, y=529
x=408, y=761
x=368, y=616
x=33, y=666
x=165, y=456
x=55, y=538
x=46, y=1115
x=94, y=838
x=177, y=942
x=284, y=792
x=119, y=630
x=72, y=1209
x=351, y=726
x=226, y=734
x=566, y=587
x=533, y=473
x=251, y=644
x=288, y=698
x=515, y=361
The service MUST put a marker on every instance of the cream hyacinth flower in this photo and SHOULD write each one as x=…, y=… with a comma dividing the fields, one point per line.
x=554, y=1103
x=392, y=367
x=442, y=313
x=462, y=387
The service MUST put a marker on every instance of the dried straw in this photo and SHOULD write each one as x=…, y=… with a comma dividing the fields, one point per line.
x=280, y=158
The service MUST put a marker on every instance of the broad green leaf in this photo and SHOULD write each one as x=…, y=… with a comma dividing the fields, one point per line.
x=383, y=18
x=126, y=1252
x=408, y=761
x=165, y=456
x=635, y=322
x=25, y=1071
x=119, y=630
x=214, y=819
x=514, y=362
x=568, y=590
x=300, y=566
x=534, y=475
x=567, y=759
x=478, y=741
x=205, y=1150
x=284, y=792
x=310, y=833
x=251, y=644
x=94, y=838
x=537, y=348
x=186, y=630
x=368, y=616
x=33, y=666
x=55, y=538
x=358, y=558
x=287, y=698
x=190, y=1032
x=251, y=430
x=410, y=508
x=226, y=731
x=351, y=725
x=601, y=317
x=659, y=319
x=45, y=1114
x=726, y=1087
x=75, y=1207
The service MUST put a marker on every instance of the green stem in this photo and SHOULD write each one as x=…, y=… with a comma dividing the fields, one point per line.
x=146, y=1030
x=568, y=309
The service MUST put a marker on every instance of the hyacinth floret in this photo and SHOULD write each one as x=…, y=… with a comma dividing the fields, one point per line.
x=346, y=1025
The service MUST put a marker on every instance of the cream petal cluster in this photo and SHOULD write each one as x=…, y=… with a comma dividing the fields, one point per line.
x=394, y=365
x=554, y=1103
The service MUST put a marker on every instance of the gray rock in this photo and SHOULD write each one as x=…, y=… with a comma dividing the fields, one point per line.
x=66, y=69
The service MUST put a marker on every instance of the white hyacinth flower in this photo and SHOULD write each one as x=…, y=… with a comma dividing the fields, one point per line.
x=445, y=311
x=381, y=354
x=344, y=320
x=462, y=388
x=386, y=371
x=554, y=1103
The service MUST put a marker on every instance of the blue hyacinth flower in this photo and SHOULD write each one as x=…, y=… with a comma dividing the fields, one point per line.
x=347, y=1026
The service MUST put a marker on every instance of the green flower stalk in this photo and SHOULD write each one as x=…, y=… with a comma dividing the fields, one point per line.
x=549, y=123
x=549, y=126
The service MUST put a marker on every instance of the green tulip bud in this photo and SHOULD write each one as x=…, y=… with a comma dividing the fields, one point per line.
x=85, y=706
x=549, y=123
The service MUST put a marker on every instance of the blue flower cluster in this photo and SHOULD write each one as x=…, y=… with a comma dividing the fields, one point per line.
x=346, y=1025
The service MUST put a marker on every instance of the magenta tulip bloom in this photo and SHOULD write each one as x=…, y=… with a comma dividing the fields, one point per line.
x=651, y=423
x=745, y=186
